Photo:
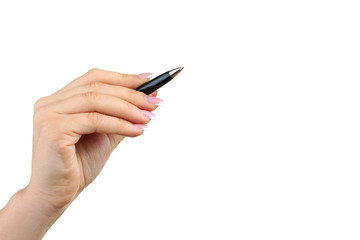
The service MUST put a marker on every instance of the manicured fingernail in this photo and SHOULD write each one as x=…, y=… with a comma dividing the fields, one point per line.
x=148, y=114
x=153, y=100
x=140, y=126
x=143, y=75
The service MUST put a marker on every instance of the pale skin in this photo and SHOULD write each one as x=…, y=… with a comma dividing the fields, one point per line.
x=75, y=131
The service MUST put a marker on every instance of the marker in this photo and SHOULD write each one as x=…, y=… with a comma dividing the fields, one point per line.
x=159, y=81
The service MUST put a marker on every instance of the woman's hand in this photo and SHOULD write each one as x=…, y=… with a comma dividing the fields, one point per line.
x=75, y=131
x=77, y=128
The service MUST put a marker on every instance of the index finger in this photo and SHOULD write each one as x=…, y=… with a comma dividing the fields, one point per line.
x=109, y=77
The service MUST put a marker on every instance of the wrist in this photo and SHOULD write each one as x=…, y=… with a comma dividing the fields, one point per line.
x=36, y=201
x=27, y=216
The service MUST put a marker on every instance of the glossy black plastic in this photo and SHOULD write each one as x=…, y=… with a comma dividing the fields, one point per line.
x=155, y=83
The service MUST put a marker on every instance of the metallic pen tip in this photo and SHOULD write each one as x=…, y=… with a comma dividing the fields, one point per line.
x=175, y=71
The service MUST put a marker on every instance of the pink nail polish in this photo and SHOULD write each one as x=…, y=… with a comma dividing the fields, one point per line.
x=140, y=126
x=148, y=114
x=153, y=100
x=143, y=75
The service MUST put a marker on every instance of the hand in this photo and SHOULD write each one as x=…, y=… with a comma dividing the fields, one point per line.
x=77, y=128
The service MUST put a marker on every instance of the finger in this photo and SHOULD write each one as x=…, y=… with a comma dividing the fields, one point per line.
x=154, y=94
x=87, y=123
x=101, y=103
x=113, y=78
x=134, y=97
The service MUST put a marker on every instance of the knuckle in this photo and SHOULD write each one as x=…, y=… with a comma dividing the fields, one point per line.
x=133, y=95
x=96, y=118
x=124, y=80
x=39, y=103
x=94, y=74
x=123, y=76
x=129, y=80
x=95, y=86
x=91, y=96
x=94, y=71
x=130, y=107
x=121, y=124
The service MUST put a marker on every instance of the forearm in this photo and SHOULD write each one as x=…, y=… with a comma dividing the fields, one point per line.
x=26, y=217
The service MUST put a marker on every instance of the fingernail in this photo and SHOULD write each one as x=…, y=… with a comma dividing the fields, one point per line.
x=140, y=126
x=153, y=100
x=143, y=75
x=148, y=114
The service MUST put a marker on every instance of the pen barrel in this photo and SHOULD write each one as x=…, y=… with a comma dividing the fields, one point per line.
x=155, y=83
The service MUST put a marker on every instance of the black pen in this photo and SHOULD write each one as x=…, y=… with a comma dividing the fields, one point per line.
x=159, y=81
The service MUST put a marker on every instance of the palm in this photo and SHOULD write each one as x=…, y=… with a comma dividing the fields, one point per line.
x=92, y=151
x=79, y=165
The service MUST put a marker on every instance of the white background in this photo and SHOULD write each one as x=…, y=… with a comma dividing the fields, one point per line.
x=258, y=137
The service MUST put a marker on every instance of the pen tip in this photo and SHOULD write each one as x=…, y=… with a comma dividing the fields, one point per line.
x=175, y=71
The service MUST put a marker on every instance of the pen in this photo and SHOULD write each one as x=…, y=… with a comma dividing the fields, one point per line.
x=159, y=81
